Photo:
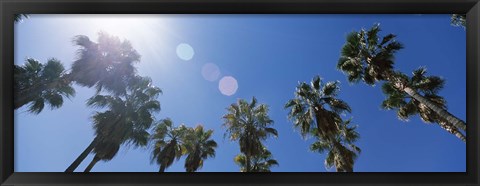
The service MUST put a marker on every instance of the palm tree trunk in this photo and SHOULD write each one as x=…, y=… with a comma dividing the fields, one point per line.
x=348, y=167
x=341, y=167
x=341, y=156
x=249, y=151
x=90, y=166
x=330, y=138
x=162, y=168
x=338, y=166
x=450, y=118
x=247, y=158
x=447, y=116
x=452, y=129
x=82, y=156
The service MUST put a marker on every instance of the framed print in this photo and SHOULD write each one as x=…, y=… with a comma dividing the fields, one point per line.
x=221, y=92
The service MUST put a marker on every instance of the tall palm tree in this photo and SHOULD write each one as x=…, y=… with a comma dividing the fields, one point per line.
x=198, y=147
x=316, y=107
x=342, y=153
x=259, y=163
x=169, y=143
x=126, y=120
x=248, y=123
x=365, y=57
x=406, y=106
x=109, y=65
x=35, y=74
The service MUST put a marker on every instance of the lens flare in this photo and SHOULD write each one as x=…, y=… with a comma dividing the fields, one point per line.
x=185, y=51
x=210, y=72
x=228, y=85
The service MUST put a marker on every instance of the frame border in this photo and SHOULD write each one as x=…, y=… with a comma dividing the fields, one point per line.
x=10, y=7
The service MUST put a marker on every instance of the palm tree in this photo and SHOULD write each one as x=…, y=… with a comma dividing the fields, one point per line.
x=407, y=106
x=35, y=74
x=108, y=65
x=169, y=143
x=366, y=58
x=198, y=147
x=317, y=108
x=125, y=121
x=259, y=163
x=248, y=123
x=342, y=153
x=317, y=105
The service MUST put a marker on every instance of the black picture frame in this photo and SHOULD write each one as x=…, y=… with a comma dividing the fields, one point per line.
x=10, y=7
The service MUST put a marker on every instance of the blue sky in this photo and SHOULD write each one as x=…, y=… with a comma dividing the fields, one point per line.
x=267, y=55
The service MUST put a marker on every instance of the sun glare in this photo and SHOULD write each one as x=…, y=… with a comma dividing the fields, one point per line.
x=150, y=35
x=126, y=26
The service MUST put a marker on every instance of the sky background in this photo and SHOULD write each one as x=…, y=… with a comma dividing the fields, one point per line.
x=267, y=55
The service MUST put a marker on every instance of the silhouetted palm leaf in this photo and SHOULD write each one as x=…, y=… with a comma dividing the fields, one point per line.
x=30, y=85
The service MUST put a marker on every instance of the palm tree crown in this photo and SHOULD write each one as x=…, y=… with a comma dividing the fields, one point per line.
x=169, y=143
x=199, y=147
x=317, y=105
x=107, y=64
x=31, y=77
x=248, y=123
x=342, y=153
x=365, y=57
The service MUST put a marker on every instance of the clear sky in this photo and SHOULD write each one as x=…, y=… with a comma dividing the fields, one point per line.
x=267, y=55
